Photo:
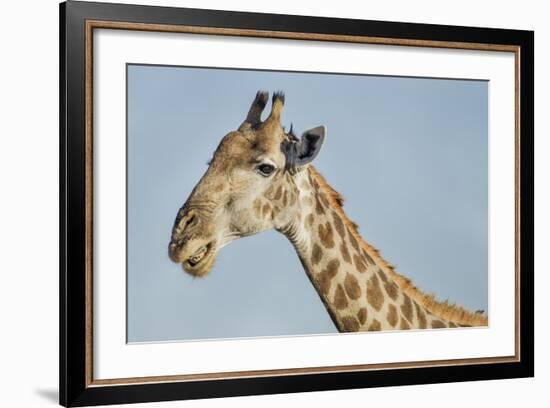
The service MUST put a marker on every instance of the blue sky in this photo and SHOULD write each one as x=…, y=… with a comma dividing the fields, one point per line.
x=409, y=155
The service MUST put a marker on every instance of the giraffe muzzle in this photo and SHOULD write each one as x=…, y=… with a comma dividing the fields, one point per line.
x=198, y=256
x=196, y=260
x=191, y=243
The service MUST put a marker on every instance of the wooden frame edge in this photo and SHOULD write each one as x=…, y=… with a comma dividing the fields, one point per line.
x=231, y=375
x=103, y=24
x=292, y=35
x=89, y=205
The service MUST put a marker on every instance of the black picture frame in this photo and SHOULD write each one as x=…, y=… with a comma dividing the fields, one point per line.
x=75, y=387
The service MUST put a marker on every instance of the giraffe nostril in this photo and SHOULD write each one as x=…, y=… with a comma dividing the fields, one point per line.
x=189, y=221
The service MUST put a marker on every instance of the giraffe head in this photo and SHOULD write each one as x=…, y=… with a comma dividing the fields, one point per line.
x=248, y=187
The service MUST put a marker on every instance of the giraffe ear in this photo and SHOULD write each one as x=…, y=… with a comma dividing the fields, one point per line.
x=306, y=149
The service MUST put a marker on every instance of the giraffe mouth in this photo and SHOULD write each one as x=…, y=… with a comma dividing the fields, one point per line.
x=201, y=261
x=198, y=256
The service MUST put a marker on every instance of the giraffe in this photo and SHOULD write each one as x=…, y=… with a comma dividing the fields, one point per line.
x=261, y=178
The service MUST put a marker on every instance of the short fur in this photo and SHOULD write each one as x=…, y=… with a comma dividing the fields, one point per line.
x=443, y=309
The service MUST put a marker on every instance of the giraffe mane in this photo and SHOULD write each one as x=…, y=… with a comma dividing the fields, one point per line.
x=443, y=309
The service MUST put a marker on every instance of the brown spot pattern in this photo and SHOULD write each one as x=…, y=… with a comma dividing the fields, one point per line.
x=340, y=299
x=406, y=308
x=316, y=254
x=350, y=324
x=374, y=293
x=339, y=225
x=323, y=199
x=265, y=211
x=362, y=315
x=375, y=326
x=352, y=286
x=438, y=324
x=326, y=235
x=278, y=193
x=451, y=324
x=309, y=220
x=345, y=252
x=392, y=290
x=382, y=275
x=359, y=263
x=368, y=257
x=285, y=198
x=353, y=241
x=326, y=275
x=421, y=316
x=392, y=315
x=403, y=325
x=318, y=206
x=333, y=266
x=292, y=198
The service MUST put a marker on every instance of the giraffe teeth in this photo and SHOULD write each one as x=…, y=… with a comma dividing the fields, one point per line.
x=197, y=256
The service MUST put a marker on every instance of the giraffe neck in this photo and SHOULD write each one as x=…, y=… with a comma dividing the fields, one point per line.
x=352, y=283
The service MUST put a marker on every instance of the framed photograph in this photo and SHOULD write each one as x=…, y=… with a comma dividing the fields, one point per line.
x=255, y=203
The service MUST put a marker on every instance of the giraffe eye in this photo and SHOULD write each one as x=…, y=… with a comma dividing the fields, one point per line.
x=266, y=169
